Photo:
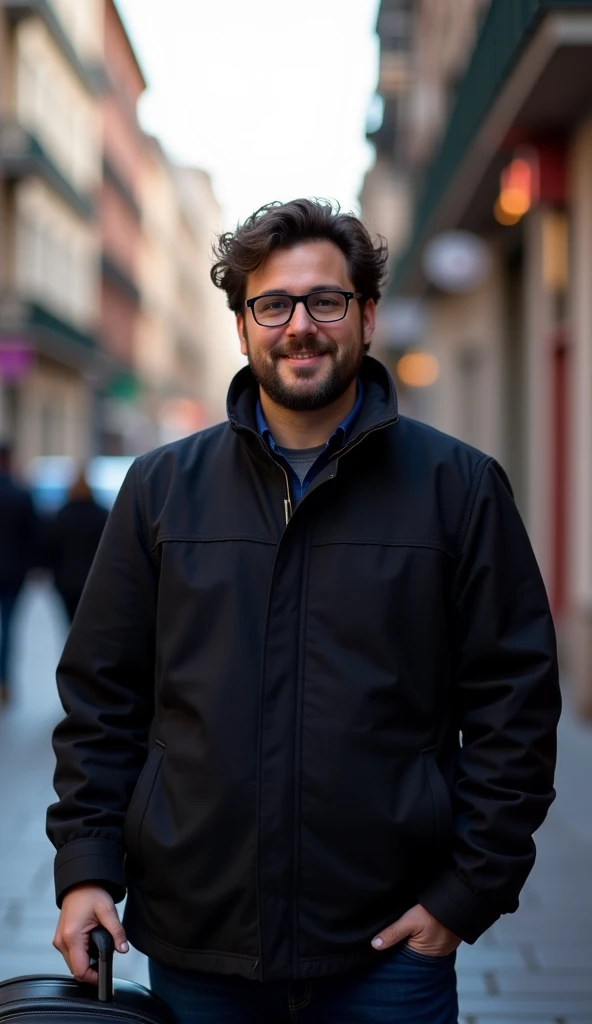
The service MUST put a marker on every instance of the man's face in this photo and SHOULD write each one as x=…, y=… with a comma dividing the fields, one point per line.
x=305, y=365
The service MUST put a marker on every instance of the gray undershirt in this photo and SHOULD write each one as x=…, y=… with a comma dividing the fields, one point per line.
x=301, y=459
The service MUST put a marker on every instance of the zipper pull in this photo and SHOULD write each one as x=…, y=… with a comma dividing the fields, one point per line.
x=255, y=965
x=287, y=509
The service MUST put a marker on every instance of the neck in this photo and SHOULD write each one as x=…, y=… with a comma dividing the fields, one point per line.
x=291, y=429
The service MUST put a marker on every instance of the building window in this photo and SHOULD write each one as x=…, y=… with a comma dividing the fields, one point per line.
x=55, y=270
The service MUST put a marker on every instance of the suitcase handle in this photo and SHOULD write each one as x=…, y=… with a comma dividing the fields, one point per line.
x=101, y=948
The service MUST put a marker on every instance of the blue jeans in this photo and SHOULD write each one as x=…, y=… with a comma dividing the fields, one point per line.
x=404, y=987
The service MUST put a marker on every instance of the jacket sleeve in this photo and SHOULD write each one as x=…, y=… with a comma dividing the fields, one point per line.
x=509, y=702
x=105, y=682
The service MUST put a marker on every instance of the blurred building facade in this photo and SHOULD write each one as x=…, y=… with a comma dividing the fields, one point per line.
x=50, y=153
x=487, y=130
x=111, y=338
x=120, y=230
x=185, y=342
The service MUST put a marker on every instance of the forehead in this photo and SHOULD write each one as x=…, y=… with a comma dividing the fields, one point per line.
x=301, y=268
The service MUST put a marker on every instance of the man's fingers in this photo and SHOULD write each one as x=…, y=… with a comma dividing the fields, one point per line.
x=395, y=933
x=73, y=935
x=73, y=945
x=430, y=935
x=108, y=917
x=85, y=975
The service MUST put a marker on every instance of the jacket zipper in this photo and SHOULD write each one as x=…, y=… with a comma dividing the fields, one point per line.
x=288, y=500
x=288, y=512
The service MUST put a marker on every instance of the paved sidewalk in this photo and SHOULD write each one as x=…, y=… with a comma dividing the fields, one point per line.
x=533, y=967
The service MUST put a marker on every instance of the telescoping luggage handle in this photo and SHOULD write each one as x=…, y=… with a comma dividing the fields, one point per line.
x=101, y=948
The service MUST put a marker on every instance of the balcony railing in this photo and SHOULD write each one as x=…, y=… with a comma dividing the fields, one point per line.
x=23, y=155
x=30, y=320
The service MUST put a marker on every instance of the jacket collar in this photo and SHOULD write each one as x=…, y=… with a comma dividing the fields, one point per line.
x=379, y=407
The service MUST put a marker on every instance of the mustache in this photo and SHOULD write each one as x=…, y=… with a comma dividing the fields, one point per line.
x=316, y=348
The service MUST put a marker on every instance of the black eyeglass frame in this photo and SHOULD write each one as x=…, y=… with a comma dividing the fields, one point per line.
x=304, y=298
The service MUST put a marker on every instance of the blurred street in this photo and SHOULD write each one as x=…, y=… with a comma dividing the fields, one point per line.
x=28, y=913
x=532, y=967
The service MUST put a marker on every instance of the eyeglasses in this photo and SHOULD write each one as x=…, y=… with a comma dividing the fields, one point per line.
x=324, y=307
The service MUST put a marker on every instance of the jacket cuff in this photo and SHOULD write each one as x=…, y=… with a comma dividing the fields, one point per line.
x=458, y=909
x=95, y=861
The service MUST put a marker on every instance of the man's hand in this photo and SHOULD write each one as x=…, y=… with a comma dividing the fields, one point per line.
x=83, y=908
x=422, y=931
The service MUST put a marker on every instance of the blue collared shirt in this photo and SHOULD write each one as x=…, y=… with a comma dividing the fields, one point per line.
x=338, y=438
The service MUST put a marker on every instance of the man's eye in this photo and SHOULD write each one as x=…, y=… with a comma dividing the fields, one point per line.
x=276, y=305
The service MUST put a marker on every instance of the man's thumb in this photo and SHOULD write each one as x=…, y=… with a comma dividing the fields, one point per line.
x=395, y=932
x=109, y=918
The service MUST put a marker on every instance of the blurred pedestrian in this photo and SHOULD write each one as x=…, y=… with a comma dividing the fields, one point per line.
x=17, y=555
x=74, y=538
x=292, y=618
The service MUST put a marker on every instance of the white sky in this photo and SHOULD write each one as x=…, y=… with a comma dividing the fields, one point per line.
x=269, y=96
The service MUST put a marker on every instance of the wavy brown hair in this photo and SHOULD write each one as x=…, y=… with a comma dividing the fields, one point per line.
x=282, y=225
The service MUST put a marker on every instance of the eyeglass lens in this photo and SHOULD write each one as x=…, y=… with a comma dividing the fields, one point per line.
x=275, y=310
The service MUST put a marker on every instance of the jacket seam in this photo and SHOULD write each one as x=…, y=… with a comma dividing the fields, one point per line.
x=260, y=742
x=480, y=897
x=157, y=773
x=211, y=539
x=139, y=491
x=299, y=725
x=141, y=501
x=471, y=500
x=90, y=839
x=84, y=856
x=389, y=541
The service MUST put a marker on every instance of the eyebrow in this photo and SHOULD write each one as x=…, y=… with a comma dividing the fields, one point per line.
x=317, y=288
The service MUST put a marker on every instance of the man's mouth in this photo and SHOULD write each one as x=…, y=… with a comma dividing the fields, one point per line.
x=303, y=354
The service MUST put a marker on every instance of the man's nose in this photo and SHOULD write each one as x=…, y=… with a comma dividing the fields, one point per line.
x=301, y=322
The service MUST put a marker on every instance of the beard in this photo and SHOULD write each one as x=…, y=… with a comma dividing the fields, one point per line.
x=298, y=397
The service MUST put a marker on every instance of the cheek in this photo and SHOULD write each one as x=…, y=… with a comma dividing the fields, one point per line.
x=349, y=340
x=259, y=346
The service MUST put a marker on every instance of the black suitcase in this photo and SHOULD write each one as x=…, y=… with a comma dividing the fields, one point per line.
x=41, y=999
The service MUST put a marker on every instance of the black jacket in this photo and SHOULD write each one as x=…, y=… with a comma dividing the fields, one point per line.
x=75, y=535
x=299, y=689
x=18, y=533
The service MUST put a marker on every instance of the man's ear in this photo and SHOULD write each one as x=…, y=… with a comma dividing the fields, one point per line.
x=241, y=330
x=368, y=322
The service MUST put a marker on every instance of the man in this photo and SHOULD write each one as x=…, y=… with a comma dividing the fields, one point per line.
x=17, y=540
x=292, y=619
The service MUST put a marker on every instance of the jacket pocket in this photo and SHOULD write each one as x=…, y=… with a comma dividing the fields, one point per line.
x=443, y=816
x=140, y=801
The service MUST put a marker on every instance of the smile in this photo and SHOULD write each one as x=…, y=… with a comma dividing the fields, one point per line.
x=304, y=355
